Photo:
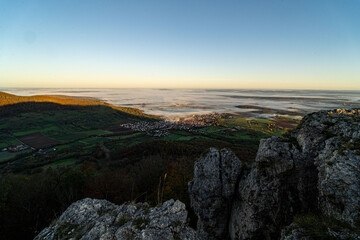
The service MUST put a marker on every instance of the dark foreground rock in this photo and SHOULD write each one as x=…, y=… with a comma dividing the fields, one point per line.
x=99, y=219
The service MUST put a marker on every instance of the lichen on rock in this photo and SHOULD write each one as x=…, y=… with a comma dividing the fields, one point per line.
x=100, y=219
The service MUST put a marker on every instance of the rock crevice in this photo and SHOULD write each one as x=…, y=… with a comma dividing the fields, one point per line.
x=99, y=219
x=313, y=169
x=212, y=191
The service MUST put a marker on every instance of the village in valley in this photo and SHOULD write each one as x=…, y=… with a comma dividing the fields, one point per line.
x=195, y=122
x=151, y=128
x=115, y=134
x=161, y=128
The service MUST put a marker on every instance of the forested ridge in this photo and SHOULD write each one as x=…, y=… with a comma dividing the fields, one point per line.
x=10, y=99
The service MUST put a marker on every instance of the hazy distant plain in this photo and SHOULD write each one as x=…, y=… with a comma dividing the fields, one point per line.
x=174, y=103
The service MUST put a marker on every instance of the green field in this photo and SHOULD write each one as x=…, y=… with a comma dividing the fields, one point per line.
x=4, y=156
x=83, y=132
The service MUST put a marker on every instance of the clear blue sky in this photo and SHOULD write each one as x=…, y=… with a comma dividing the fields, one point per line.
x=307, y=44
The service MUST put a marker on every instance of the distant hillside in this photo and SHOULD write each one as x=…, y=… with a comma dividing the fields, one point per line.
x=9, y=99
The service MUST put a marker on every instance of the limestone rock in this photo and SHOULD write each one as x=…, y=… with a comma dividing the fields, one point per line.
x=211, y=191
x=100, y=219
x=268, y=197
x=337, y=159
x=315, y=168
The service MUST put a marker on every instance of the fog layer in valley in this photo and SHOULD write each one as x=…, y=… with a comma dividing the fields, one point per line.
x=176, y=103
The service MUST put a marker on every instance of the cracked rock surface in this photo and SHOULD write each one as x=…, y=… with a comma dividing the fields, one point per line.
x=99, y=219
x=313, y=169
x=215, y=179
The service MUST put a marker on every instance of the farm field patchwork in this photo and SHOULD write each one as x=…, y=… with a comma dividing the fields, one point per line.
x=38, y=140
x=89, y=131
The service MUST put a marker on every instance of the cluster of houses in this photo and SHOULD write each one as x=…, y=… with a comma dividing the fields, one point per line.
x=158, y=133
x=155, y=129
x=202, y=120
x=45, y=151
x=145, y=126
x=21, y=147
x=16, y=148
x=161, y=128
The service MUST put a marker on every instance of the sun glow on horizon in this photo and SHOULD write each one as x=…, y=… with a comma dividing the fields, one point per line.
x=122, y=44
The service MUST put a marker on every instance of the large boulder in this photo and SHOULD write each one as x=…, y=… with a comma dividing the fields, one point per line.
x=268, y=197
x=333, y=145
x=315, y=168
x=216, y=176
x=99, y=219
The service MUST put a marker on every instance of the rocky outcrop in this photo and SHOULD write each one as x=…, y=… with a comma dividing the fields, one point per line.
x=211, y=192
x=100, y=219
x=337, y=159
x=315, y=168
x=268, y=197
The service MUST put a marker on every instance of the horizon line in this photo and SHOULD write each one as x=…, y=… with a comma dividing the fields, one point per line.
x=174, y=88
